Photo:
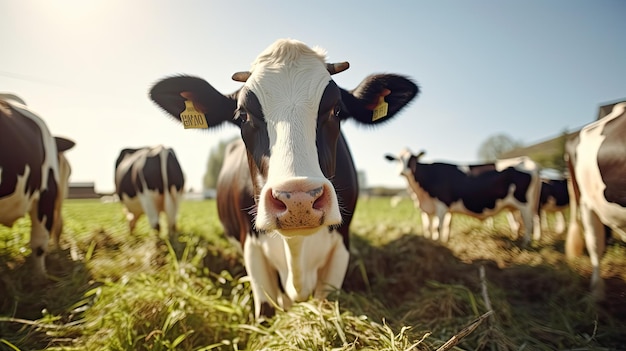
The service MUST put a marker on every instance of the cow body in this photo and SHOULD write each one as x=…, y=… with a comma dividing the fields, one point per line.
x=288, y=188
x=480, y=191
x=34, y=175
x=596, y=160
x=150, y=180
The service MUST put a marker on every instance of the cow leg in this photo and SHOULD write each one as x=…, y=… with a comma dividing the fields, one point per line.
x=444, y=226
x=426, y=232
x=434, y=227
x=543, y=215
x=132, y=220
x=514, y=221
x=559, y=219
x=332, y=274
x=488, y=222
x=57, y=229
x=595, y=240
x=132, y=210
x=150, y=209
x=574, y=242
x=528, y=217
x=39, y=237
x=263, y=277
x=171, y=211
x=57, y=225
x=536, y=227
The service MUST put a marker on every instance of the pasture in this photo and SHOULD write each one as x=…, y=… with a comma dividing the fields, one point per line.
x=115, y=291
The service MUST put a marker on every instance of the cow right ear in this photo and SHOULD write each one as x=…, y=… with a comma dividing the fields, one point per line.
x=180, y=93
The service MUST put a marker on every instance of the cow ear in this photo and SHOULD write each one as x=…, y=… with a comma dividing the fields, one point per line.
x=177, y=94
x=63, y=144
x=378, y=98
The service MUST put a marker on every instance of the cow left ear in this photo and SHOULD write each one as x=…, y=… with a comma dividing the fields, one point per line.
x=378, y=98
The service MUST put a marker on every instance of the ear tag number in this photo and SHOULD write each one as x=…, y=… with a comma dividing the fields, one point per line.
x=193, y=118
x=380, y=111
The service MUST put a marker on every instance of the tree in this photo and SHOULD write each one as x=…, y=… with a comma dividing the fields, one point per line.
x=495, y=146
x=214, y=164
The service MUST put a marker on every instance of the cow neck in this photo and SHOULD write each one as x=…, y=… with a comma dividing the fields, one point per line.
x=294, y=248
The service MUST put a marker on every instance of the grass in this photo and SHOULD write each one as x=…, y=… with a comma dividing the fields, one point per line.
x=110, y=290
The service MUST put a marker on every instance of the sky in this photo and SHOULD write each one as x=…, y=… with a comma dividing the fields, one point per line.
x=528, y=69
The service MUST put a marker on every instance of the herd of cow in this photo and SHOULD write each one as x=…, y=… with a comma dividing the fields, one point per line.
x=288, y=188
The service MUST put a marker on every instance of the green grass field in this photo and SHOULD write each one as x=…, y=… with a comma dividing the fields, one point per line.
x=110, y=290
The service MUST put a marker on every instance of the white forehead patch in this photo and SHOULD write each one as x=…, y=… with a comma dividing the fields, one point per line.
x=288, y=74
x=289, y=79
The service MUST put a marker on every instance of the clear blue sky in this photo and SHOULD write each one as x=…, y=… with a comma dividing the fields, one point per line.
x=530, y=69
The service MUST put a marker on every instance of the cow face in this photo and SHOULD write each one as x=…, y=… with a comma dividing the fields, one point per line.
x=406, y=161
x=289, y=111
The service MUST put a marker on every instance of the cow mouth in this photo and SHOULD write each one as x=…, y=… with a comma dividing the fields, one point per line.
x=288, y=233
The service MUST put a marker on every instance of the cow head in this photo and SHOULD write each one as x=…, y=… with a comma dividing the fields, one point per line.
x=289, y=111
x=406, y=161
x=65, y=170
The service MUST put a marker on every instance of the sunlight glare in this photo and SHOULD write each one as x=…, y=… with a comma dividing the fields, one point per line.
x=72, y=10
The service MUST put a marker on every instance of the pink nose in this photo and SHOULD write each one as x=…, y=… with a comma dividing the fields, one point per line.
x=295, y=209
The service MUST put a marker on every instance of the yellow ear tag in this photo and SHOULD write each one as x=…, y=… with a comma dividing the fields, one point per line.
x=380, y=111
x=192, y=118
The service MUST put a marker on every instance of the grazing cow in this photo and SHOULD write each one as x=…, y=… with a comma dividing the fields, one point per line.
x=150, y=180
x=596, y=160
x=554, y=198
x=480, y=191
x=293, y=174
x=33, y=175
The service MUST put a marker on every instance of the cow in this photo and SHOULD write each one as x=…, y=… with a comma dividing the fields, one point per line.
x=34, y=175
x=596, y=161
x=288, y=189
x=480, y=191
x=150, y=180
x=553, y=198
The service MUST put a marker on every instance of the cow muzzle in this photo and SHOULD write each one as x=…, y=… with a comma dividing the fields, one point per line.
x=298, y=207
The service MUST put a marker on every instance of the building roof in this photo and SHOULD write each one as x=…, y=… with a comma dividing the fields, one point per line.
x=82, y=185
x=607, y=107
x=555, y=144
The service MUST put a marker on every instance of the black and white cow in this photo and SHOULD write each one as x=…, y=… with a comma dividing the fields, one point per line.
x=150, y=180
x=480, y=191
x=34, y=175
x=596, y=160
x=554, y=198
x=293, y=174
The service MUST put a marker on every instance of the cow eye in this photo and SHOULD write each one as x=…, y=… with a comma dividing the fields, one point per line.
x=337, y=110
x=241, y=117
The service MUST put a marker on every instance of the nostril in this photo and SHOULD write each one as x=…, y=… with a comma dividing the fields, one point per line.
x=322, y=199
x=275, y=202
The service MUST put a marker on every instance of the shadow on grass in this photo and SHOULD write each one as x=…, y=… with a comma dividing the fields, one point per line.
x=539, y=301
x=25, y=304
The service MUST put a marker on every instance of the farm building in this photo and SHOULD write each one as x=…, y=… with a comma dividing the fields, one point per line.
x=82, y=190
x=549, y=153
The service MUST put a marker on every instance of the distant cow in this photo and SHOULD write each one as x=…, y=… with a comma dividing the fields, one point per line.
x=293, y=174
x=150, y=180
x=596, y=160
x=33, y=175
x=554, y=198
x=480, y=191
